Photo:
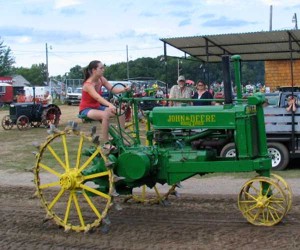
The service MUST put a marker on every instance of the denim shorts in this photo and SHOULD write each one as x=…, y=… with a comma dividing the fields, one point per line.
x=84, y=112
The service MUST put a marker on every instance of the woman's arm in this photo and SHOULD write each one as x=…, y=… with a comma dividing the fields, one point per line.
x=109, y=87
x=90, y=89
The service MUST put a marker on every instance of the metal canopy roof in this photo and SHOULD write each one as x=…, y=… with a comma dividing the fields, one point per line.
x=256, y=46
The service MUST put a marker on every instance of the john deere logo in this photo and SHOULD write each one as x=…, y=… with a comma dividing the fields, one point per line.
x=192, y=120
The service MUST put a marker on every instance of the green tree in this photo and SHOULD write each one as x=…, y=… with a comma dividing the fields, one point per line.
x=6, y=60
x=75, y=73
x=36, y=75
x=167, y=71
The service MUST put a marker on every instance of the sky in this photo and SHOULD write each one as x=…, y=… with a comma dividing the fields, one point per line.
x=76, y=32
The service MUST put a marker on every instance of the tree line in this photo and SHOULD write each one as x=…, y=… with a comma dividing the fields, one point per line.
x=158, y=68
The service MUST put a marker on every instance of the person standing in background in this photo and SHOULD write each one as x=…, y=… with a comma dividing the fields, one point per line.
x=180, y=91
x=201, y=94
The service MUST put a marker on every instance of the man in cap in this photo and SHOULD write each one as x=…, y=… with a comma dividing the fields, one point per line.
x=180, y=91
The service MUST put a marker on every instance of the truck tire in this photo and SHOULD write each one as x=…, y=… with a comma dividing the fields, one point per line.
x=228, y=150
x=279, y=155
x=277, y=151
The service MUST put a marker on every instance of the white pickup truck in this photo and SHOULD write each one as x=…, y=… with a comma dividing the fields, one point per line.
x=282, y=130
x=74, y=97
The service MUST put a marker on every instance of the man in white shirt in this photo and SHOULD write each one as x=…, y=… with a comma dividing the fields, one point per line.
x=180, y=91
x=48, y=98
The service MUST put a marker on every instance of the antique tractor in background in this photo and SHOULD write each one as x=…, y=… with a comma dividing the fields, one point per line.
x=77, y=181
x=31, y=114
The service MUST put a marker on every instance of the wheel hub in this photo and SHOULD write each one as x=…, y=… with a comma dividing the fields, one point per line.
x=70, y=180
x=262, y=201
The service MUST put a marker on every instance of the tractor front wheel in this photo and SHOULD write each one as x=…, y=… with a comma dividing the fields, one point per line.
x=285, y=188
x=7, y=123
x=23, y=122
x=262, y=201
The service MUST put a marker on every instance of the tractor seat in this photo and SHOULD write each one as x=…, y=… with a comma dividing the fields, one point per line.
x=84, y=118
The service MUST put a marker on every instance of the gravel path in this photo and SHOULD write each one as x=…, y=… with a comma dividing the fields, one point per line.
x=206, y=185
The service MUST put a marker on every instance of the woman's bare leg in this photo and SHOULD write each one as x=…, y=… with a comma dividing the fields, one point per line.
x=102, y=116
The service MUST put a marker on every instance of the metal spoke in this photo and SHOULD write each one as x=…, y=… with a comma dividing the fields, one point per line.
x=88, y=161
x=67, y=214
x=92, y=190
x=250, y=195
x=56, y=157
x=79, y=152
x=92, y=176
x=50, y=170
x=47, y=185
x=66, y=152
x=92, y=205
x=78, y=208
x=61, y=192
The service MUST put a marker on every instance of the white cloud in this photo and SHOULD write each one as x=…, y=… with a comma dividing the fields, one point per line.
x=59, y=4
x=81, y=31
x=24, y=39
x=280, y=2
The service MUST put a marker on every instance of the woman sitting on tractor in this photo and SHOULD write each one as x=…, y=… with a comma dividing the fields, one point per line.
x=92, y=104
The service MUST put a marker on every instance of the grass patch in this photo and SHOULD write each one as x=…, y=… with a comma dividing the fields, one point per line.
x=17, y=147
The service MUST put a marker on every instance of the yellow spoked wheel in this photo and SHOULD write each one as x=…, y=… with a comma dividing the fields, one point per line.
x=65, y=181
x=262, y=201
x=156, y=195
x=285, y=187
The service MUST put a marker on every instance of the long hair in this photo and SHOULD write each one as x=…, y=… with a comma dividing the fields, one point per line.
x=87, y=71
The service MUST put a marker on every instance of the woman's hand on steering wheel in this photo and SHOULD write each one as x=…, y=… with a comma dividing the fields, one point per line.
x=112, y=108
x=115, y=99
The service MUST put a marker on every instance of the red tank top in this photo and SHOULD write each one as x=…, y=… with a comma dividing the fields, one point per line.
x=87, y=101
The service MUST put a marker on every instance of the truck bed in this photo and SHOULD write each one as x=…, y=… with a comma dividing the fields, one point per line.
x=279, y=121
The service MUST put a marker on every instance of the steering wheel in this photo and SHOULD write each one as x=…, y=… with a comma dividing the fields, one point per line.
x=115, y=99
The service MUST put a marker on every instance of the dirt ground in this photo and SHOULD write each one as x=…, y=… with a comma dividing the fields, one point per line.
x=205, y=216
x=189, y=222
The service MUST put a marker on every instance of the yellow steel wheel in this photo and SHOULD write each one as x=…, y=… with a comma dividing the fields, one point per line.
x=285, y=187
x=262, y=201
x=156, y=195
x=70, y=198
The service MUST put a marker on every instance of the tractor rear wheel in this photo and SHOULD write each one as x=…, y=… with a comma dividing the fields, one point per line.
x=51, y=115
x=7, y=123
x=23, y=122
x=67, y=183
x=262, y=201
x=153, y=195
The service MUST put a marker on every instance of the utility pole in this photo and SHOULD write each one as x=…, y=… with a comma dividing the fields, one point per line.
x=271, y=16
x=127, y=62
x=47, y=69
x=47, y=72
x=49, y=83
x=294, y=20
x=178, y=67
